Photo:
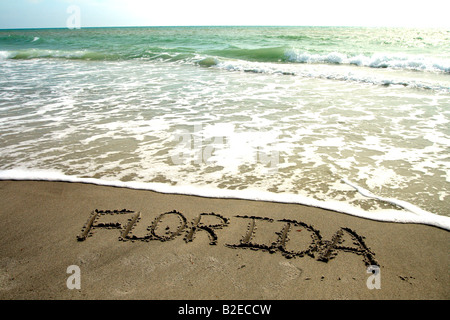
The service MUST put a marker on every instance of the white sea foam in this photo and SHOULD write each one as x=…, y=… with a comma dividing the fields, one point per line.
x=325, y=116
x=377, y=60
x=35, y=53
x=340, y=68
x=5, y=55
x=92, y=120
x=410, y=214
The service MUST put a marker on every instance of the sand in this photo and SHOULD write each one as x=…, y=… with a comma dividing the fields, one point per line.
x=63, y=240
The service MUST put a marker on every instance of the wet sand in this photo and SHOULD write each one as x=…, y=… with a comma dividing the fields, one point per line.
x=135, y=244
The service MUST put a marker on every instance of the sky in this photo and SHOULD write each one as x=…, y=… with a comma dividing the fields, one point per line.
x=110, y=13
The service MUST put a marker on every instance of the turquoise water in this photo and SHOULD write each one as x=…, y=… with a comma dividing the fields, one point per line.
x=261, y=112
x=413, y=49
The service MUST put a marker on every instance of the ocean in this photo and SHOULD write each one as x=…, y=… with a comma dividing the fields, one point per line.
x=354, y=120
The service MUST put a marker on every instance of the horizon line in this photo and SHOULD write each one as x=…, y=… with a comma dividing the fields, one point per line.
x=222, y=26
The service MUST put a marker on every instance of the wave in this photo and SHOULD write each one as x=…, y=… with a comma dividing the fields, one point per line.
x=27, y=54
x=378, y=60
x=328, y=74
x=242, y=65
x=22, y=38
x=270, y=54
x=414, y=215
x=88, y=55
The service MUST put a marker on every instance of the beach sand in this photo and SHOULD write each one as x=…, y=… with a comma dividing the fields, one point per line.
x=165, y=246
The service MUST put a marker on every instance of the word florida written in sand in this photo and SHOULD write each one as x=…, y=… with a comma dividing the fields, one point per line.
x=315, y=246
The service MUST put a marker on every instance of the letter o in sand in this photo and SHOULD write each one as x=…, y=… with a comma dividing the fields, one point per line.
x=161, y=228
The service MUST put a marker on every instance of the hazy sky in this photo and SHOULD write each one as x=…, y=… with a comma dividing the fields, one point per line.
x=102, y=13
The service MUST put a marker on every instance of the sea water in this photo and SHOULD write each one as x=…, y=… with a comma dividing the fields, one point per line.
x=349, y=119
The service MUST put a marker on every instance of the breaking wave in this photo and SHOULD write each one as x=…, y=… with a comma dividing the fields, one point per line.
x=271, y=61
x=378, y=60
x=272, y=54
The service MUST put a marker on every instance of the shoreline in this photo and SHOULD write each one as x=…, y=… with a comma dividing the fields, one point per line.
x=410, y=214
x=142, y=244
